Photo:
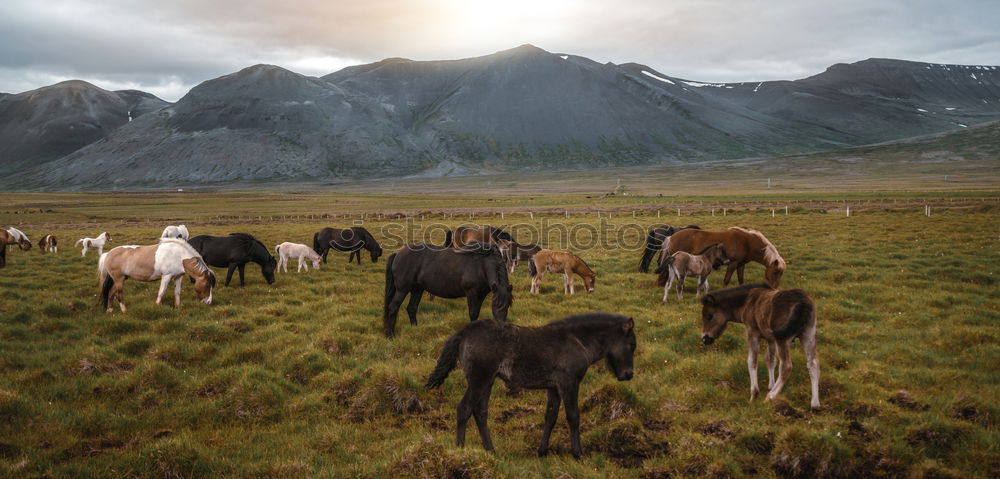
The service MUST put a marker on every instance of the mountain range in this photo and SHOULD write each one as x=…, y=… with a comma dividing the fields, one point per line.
x=523, y=109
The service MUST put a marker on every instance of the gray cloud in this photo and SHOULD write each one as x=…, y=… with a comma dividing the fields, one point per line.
x=167, y=47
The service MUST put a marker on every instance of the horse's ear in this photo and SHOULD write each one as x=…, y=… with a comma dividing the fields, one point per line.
x=628, y=325
x=708, y=300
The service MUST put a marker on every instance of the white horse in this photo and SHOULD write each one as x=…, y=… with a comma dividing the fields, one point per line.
x=179, y=231
x=170, y=260
x=296, y=250
x=97, y=242
x=18, y=235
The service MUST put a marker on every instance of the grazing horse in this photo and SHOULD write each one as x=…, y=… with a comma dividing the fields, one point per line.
x=171, y=259
x=235, y=251
x=556, y=261
x=464, y=235
x=776, y=316
x=351, y=240
x=680, y=264
x=654, y=242
x=97, y=242
x=48, y=244
x=11, y=236
x=179, y=231
x=296, y=250
x=742, y=246
x=472, y=272
x=554, y=357
x=515, y=252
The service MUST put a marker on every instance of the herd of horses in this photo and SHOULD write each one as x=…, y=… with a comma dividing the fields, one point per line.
x=474, y=263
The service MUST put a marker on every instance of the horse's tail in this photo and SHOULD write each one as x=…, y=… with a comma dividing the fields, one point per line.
x=446, y=361
x=532, y=269
x=316, y=245
x=664, y=271
x=277, y=249
x=447, y=239
x=652, y=245
x=105, y=280
x=79, y=241
x=390, y=291
x=801, y=315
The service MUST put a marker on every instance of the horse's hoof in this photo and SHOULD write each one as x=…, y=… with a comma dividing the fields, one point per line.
x=543, y=452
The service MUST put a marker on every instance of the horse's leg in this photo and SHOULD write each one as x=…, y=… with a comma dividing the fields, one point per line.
x=702, y=286
x=784, y=368
x=463, y=413
x=729, y=274
x=536, y=282
x=551, y=414
x=229, y=275
x=299, y=270
x=100, y=250
x=119, y=292
x=753, y=347
x=242, y=267
x=164, y=282
x=680, y=285
x=84, y=252
x=414, y=304
x=739, y=271
x=808, y=340
x=670, y=282
x=481, y=413
x=326, y=252
x=772, y=348
x=569, y=391
x=567, y=283
x=475, y=304
x=177, y=290
x=357, y=255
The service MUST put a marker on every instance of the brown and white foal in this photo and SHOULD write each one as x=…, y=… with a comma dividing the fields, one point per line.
x=678, y=266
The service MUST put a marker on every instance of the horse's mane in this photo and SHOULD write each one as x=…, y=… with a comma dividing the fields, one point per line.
x=193, y=253
x=585, y=265
x=770, y=252
x=248, y=240
x=500, y=234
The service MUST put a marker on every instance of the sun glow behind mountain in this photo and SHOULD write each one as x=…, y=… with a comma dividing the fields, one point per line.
x=497, y=25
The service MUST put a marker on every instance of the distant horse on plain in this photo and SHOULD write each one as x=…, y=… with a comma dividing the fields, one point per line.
x=48, y=244
x=171, y=259
x=565, y=262
x=97, y=242
x=680, y=265
x=11, y=236
x=234, y=252
x=179, y=231
x=776, y=316
x=351, y=240
x=472, y=272
x=554, y=357
x=742, y=246
x=296, y=250
x=654, y=242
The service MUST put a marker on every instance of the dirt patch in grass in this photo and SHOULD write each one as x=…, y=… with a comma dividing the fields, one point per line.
x=430, y=460
x=903, y=399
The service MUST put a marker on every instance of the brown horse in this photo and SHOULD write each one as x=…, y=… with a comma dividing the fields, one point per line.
x=11, y=236
x=171, y=259
x=48, y=244
x=463, y=235
x=741, y=245
x=776, y=316
x=555, y=261
x=680, y=264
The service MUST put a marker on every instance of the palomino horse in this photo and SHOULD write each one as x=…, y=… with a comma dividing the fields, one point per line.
x=235, y=251
x=472, y=272
x=97, y=242
x=556, y=261
x=171, y=259
x=654, y=242
x=679, y=265
x=11, y=236
x=742, y=246
x=515, y=252
x=351, y=240
x=554, y=357
x=296, y=250
x=463, y=235
x=179, y=231
x=776, y=316
x=48, y=244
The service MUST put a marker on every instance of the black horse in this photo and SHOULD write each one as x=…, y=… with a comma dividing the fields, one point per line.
x=235, y=251
x=554, y=357
x=473, y=272
x=654, y=241
x=351, y=240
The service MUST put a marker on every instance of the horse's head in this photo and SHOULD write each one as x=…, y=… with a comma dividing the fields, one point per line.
x=375, y=250
x=589, y=282
x=713, y=319
x=774, y=271
x=721, y=258
x=106, y=236
x=621, y=351
x=204, y=284
x=268, y=267
x=23, y=244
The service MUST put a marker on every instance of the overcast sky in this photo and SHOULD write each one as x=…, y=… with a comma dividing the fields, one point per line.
x=168, y=46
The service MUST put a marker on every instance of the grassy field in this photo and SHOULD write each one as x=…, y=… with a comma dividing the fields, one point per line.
x=296, y=379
